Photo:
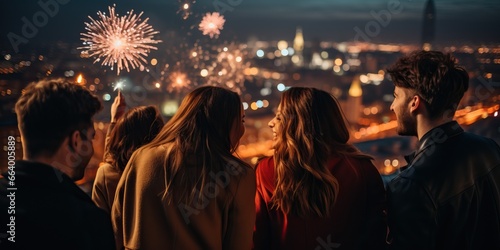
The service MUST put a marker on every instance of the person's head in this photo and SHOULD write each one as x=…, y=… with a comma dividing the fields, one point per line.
x=55, y=114
x=208, y=116
x=138, y=126
x=201, y=137
x=429, y=83
x=309, y=115
x=308, y=129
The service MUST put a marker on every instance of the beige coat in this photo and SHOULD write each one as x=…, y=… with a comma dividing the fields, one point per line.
x=142, y=220
x=105, y=183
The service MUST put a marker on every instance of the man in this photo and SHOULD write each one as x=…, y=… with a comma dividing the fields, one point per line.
x=41, y=207
x=449, y=196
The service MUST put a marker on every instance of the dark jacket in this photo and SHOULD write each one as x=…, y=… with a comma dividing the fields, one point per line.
x=357, y=218
x=51, y=212
x=449, y=196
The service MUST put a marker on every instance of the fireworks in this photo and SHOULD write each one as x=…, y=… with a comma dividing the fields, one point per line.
x=228, y=69
x=124, y=41
x=178, y=81
x=119, y=85
x=212, y=24
x=185, y=8
x=189, y=67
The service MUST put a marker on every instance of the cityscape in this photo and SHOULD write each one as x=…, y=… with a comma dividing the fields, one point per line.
x=354, y=71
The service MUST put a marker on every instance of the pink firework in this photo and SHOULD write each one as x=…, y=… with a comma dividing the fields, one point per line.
x=121, y=40
x=212, y=24
x=178, y=81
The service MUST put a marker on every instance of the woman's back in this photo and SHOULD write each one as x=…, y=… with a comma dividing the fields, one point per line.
x=356, y=221
x=148, y=222
x=186, y=189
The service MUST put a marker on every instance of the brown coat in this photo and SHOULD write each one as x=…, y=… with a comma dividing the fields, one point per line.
x=143, y=220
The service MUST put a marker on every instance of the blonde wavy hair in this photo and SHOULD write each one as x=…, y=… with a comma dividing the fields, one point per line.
x=313, y=129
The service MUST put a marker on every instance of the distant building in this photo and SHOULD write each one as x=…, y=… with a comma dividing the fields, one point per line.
x=298, y=46
x=429, y=25
x=353, y=105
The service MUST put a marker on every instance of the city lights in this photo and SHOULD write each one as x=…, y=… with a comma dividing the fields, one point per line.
x=259, y=65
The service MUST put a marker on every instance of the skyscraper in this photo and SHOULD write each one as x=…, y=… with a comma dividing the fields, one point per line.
x=429, y=25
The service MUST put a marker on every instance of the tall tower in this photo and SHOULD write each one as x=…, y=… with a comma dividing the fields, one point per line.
x=429, y=25
x=298, y=46
x=354, y=101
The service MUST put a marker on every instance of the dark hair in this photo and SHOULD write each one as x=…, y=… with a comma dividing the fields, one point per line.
x=137, y=127
x=313, y=129
x=435, y=77
x=197, y=139
x=50, y=110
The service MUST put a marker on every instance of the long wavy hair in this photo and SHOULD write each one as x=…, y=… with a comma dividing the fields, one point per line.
x=198, y=142
x=137, y=127
x=313, y=130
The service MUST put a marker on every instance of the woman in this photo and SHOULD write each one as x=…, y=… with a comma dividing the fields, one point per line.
x=317, y=191
x=185, y=190
x=137, y=127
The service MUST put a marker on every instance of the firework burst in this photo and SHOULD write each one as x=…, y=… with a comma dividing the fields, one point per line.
x=228, y=68
x=124, y=41
x=212, y=24
x=178, y=81
x=185, y=8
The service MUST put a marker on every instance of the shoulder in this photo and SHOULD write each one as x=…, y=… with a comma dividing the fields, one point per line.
x=466, y=142
x=480, y=142
x=406, y=185
x=148, y=152
x=361, y=162
x=265, y=174
x=403, y=190
x=106, y=169
x=106, y=172
x=357, y=165
x=148, y=156
x=265, y=166
x=442, y=157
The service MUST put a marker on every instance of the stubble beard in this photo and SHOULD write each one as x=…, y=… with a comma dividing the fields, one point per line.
x=407, y=124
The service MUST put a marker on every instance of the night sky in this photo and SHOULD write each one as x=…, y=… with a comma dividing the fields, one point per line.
x=457, y=21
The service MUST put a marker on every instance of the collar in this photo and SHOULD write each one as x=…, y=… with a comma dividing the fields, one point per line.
x=40, y=174
x=435, y=136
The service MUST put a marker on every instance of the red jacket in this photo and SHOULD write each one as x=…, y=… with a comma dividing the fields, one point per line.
x=357, y=219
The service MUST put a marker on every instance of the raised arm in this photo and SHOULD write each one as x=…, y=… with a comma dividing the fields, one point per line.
x=117, y=111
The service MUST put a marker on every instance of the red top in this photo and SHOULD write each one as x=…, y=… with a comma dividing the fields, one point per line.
x=357, y=220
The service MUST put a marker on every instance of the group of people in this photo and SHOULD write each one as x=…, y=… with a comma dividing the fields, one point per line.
x=180, y=185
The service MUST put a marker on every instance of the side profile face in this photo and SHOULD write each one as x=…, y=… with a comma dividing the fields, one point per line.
x=84, y=150
x=407, y=124
x=238, y=128
x=275, y=125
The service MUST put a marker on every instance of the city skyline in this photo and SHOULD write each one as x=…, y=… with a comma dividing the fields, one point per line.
x=388, y=21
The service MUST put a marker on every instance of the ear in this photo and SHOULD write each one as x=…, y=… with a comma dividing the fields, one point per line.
x=415, y=103
x=74, y=140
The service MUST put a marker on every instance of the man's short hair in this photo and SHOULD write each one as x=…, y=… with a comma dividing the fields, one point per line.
x=435, y=77
x=50, y=110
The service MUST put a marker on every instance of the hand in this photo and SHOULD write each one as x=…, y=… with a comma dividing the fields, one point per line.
x=118, y=107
